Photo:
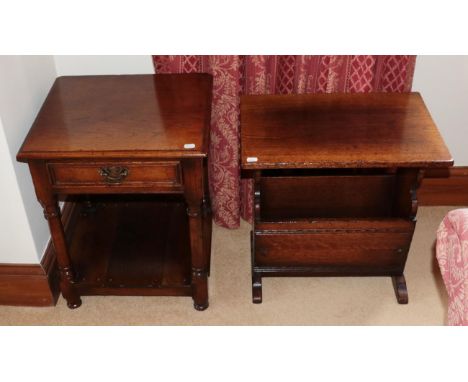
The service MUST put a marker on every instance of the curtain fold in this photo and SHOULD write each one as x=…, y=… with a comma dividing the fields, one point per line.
x=288, y=74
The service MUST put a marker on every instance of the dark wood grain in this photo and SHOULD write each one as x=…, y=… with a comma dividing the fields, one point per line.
x=49, y=202
x=123, y=116
x=350, y=224
x=25, y=289
x=194, y=176
x=114, y=141
x=445, y=187
x=116, y=247
x=356, y=251
x=30, y=284
x=340, y=196
x=335, y=180
x=340, y=130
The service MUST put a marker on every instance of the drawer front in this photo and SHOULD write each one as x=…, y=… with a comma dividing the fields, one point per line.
x=119, y=174
x=356, y=251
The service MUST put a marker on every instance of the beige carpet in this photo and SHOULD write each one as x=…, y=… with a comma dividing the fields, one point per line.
x=293, y=301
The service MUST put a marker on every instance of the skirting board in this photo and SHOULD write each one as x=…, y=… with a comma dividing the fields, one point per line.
x=33, y=284
x=444, y=187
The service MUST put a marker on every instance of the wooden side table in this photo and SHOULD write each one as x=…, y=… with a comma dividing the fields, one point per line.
x=130, y=153
x=335, y=180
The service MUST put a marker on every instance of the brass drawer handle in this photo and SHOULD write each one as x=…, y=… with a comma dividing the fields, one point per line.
x=113, y=174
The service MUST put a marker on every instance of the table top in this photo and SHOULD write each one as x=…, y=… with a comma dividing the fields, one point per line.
x=339, y=131
x=131, y=116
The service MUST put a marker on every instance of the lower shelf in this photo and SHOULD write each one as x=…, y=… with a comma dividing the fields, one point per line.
x=131, y=246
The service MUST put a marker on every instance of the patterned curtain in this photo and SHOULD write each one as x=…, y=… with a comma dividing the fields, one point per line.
x=237, y=75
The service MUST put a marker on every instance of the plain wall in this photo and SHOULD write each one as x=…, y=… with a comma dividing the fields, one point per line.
x=16, y=241
x=24, y=84
x=443, y=83
x=83, y=65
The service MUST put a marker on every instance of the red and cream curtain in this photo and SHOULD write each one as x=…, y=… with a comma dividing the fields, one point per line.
x=237, y=75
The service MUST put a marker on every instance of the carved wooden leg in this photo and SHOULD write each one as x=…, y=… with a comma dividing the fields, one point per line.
x=52, y=214
x=399, y=284
x=256, y=277
x=199, y=260
x=406, y=205
x=49, y=203
x=256, y=288
x=195, y=196
x=207, y=215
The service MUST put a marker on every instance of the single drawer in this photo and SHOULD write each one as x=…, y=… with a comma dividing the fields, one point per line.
x=356, y=251
x=121, y=174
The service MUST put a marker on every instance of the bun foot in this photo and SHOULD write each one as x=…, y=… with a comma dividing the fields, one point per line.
x=401, y=292
x=200, y=307
x=74, y=304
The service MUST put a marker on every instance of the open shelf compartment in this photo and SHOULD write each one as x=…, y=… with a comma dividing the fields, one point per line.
x=133, y=242
x=302, y=194
x=333, y=222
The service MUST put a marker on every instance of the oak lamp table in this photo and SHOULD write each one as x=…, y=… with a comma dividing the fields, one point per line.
x=130, y=153
x=335, y=180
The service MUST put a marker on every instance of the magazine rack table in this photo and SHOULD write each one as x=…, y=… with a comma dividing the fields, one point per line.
x=335, y=180
x=130, y=152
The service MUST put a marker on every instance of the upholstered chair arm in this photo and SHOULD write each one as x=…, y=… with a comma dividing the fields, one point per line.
x=452, y=255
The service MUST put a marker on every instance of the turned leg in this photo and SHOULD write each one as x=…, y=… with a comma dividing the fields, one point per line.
x=207, y=215
x=194, y=195
x=199, y=259
x=256, y=277
x=399, y=284
x=52, y=214
x=256, y=288
x=48, y=200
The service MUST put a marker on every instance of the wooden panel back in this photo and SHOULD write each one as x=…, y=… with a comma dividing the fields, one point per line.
x=326, y=196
